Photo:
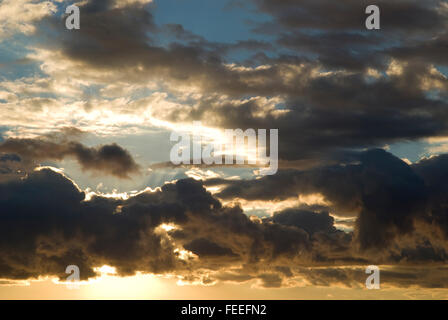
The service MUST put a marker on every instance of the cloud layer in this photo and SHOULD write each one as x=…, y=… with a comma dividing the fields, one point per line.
x=48, y=223
x=337, y=93
x=109, y=159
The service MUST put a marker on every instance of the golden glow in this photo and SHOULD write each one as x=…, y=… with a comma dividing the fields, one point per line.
x=167, y=227
x=156, y=287
x=106, y=270
x=270, y=207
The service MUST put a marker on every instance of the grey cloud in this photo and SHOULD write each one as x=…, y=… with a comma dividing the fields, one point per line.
x=204, y=247
x=326, y=112
x=401, y=15
x=311, y=222
x=384, y=191
x=400, y=210
x=111, y=159
x=325, y=115
x=47, y=225
x=10, y=157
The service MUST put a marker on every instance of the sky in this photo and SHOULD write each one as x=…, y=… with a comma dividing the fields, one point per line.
x=86, y=123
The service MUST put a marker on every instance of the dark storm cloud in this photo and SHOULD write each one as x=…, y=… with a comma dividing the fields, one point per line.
x=110, y=35
x=341, y=110
x=110, y=159
x=334, y=30
x=434, y=171
x=404, y=277
x=326, y=112
x=338, y=111
x=410, y=30
x=335, y=34
x=401, y=15
x=46, y=224
x=330, y=105
x=400, y=209
x=53, y=228
x=307, y=220
x=10, y=157
x=396, y=205
x=204, y=247
x=385, y=193
x=431, y=50
x=123, y=39
x=9, y=164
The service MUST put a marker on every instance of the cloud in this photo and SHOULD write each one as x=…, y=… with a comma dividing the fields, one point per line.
x=330, y=87
x=48, y=223
x=204, y=247
x=60, y=228
x=110, y=159
x=321, y=101
x=311, y=222
x=19, y=16
x=381, y=190
x=397, y=16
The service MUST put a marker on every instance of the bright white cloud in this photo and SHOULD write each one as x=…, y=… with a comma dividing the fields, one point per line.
x=19, y=16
